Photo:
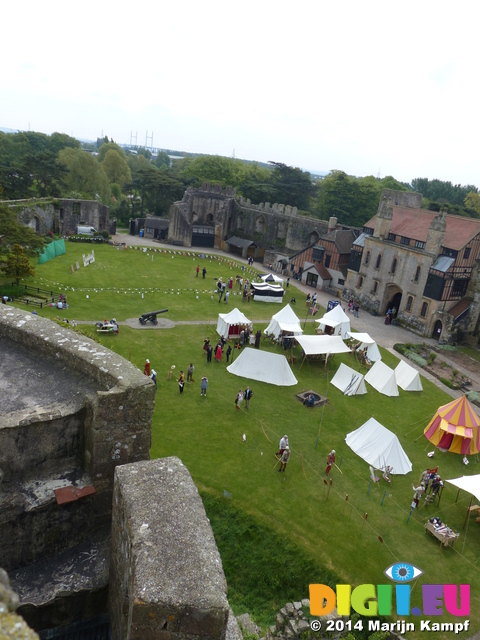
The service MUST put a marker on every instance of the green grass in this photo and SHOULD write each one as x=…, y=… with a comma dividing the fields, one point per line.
x=324, y=534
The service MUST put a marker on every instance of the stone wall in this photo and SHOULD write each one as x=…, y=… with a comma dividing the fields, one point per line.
x=166, y=576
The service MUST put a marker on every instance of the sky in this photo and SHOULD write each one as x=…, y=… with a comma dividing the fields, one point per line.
x=370, y=88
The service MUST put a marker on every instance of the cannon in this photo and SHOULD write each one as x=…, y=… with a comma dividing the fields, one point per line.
x=151, y=316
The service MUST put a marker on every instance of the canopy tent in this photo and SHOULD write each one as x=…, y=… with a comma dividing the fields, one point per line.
x=337, y=314
x=231, y=323
x=368, y=343
x=321, y=345
x=455, y=428
x=284, y=320
x=380, y=447
x=382, y=378
x=349, y=381
x=407, y=377
x=271, y=277
x=471, y=484
x=263, y=366
x=266, y=292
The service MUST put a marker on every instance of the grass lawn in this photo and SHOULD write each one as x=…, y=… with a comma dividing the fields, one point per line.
x=277, y=532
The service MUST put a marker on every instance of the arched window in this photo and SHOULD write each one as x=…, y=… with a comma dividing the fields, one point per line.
x=394, y=266
x=210, y=218
x=281, y=230
x=367, y=258
x=423, y=312
x=409, y=303
x=260, y=225
x=379, y=261
x=417, y=274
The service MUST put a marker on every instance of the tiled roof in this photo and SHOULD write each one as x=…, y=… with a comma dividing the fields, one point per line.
x=414, y=223
x=342, y=238
x=459, y=308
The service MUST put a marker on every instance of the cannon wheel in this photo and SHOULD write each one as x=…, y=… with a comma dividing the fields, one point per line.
x=155, y=321
x=142, y=320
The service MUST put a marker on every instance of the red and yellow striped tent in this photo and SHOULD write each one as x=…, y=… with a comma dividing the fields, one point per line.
x=455, y=427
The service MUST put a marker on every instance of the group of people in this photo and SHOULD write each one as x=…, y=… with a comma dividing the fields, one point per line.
x=430, y=485
x=204, y=271
x=283, y=455
x=149, y=372
x=390, y=315
x=353, y=307
x=218, y=350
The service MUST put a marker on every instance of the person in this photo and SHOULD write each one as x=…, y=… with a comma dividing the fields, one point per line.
x=244, y=295
x=228, y=352
x=34, y=312
x=314, y=298
x=308, y=298
x=209, y=352
x=203, y=386
x=206, y=342
x=153, y=376
x=281, y=446
x=146, y=368
x=227, y=293
x=238, y=399
x=394, y=312
x=218, y=352
x=230, y=283
x=330, y=461
x=190, y=370
x=198, y=269
x=388, y=316
x=204, y=272
x=284, y=459
x=241, y=338
x=258, y=337
x=355, y=310
x=419, y=491
x=181, y=382
x=247, y=395
x=288, y=282
x=309, y=400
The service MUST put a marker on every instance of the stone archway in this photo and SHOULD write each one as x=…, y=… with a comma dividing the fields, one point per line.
x=314, y=236
x=393, y=298
x=437, y=330
x=209, y=219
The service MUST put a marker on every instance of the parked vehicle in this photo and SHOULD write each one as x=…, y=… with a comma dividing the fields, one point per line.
x=86, y=230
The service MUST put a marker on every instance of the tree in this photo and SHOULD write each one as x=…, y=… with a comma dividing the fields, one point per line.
x=17, y=264
x=85, y=175
x=292, y=186
x=110, y=146
x=14, y=232
x=162, y=160
x=116, y=167
x=472, y=201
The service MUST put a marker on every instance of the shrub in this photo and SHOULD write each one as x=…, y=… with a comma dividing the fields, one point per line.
x=401, y=348
x=431, y=357
x=414, y=357
x=449, y=383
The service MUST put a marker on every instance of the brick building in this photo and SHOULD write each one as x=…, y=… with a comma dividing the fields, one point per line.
x=421, y=263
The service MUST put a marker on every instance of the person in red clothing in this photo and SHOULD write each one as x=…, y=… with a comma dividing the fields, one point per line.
x=330, y=461
x=146, y=368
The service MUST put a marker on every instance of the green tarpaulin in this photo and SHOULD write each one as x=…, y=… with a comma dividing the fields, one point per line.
x=56, y=248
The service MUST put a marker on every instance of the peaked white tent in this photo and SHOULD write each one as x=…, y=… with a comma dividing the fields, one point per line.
x=407, y=377
x=263, y=366
x=320, y=345
x=368, y=343
x=284, y=320
x=471, y=484
x=349, y=381
x=338, y=316
x=382, y=378
x=380, y=447
x=271, y=277
x=231, y=323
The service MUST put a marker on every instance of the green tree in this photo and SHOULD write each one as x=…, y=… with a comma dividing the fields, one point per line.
x=472, y=201
x=162, y=160
x=17, y=264
x=292, y=186
x=85, y=175
x=116, y=167
x=15, y=233
x=214, y=169
x=110, y=146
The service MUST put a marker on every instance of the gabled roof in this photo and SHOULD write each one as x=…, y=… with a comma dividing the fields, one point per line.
x=241, y=243
x=415, y=223
x=157, y=223
x=342, y=238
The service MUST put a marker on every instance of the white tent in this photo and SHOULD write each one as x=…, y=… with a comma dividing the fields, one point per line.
x=321, y=345
x=266, y=292
x=349, y=381
x=407, y=377
x=284, y=320
x=263, y=366
x=368, y=343
x=338, y=315
x=232, y=322
x=471, y=484
x=382, y=378
x=380, y=447
x=271, y=277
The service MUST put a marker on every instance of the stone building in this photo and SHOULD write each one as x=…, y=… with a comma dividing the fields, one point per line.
x=63, y=216
x=423, y=264
x=217, y=218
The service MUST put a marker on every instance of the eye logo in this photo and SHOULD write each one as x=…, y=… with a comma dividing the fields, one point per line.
x=402, y=572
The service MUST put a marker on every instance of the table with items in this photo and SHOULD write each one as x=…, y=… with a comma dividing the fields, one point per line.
x=443, y=533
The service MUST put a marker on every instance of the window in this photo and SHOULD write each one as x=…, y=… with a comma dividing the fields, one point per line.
x=404, y=240
x=379, y=261
x=367, y=258
x=451, y=253
x=76, y=208
x=359, y=282
x=409, y=303
x=375, y=286
x=417, y=274
x=327, y=260
x=459, y=288
x=466, y=253
x=341, y=282
x=423, y=312
x=317, y=253
x=394, y=266
x=392, y=237
x=419, y=244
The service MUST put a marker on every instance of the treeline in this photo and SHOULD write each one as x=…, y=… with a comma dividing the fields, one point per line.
x=135, y=183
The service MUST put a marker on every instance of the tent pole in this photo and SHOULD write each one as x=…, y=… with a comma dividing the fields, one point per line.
x=468, y=513
x=466, y=530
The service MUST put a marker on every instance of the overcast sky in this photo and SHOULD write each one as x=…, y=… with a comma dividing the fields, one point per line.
x=371, y=88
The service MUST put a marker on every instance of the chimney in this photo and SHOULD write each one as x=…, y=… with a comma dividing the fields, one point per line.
x=436, y=233
x=332, y=224
x=384, y=219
